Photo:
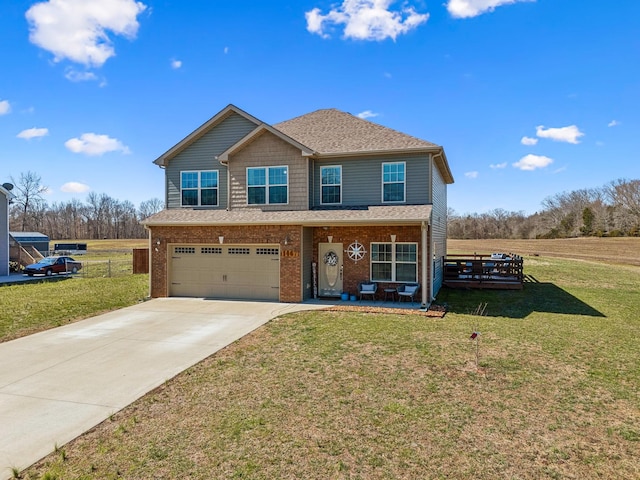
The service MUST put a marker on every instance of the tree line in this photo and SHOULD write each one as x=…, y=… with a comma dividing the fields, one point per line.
x=101, y=216
x=612, y=210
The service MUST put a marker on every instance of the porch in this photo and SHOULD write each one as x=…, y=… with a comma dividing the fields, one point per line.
x=495, y=271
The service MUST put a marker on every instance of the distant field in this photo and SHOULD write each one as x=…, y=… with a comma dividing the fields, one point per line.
x=101, y=248
x=624, y=250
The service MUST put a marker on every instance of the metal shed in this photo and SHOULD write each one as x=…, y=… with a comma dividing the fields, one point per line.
x=37, y=240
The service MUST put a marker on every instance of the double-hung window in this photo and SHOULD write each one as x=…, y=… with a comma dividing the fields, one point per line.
x=331, y=185
x=394, y=262
x=393, y=182
x=267, y=185
x=199, y=189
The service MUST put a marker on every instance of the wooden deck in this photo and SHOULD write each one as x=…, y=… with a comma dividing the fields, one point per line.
x=496, y=271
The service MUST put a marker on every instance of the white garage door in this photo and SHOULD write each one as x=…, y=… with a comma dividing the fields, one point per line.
x=225, y=271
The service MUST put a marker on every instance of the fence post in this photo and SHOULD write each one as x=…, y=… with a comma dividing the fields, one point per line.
x=109, y=262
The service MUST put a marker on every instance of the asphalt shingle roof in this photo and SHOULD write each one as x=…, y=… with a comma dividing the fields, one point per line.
x=331, y=131
x=396, y=215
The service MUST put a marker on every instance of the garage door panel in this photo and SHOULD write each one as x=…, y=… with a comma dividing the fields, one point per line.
x=230, y=271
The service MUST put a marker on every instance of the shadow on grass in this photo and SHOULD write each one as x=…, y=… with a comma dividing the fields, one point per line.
x=534, y=297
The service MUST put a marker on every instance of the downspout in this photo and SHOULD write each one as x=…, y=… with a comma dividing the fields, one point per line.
x=425, y=262
x=226, y=165
x=150, y=260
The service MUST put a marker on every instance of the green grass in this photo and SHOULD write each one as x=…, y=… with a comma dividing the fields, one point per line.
x=346, y=395
x=28, y=308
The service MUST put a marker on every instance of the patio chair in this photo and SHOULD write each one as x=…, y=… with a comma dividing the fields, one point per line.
x=408, y=291
x=368, y=288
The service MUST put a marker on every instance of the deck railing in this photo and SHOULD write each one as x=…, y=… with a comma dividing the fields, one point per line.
x=504, y=270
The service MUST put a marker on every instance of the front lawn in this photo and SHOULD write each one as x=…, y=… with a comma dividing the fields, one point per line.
x=345, y=395
x=29, y=308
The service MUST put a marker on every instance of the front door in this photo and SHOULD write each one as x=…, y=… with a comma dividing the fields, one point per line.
x=329, y=269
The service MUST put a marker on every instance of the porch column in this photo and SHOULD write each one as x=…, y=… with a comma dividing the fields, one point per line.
x=424, y=240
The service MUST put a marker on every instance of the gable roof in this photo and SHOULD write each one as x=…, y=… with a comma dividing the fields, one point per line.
x=332, y=132
x=163, y=159
x=259, y=130
x=326, y=132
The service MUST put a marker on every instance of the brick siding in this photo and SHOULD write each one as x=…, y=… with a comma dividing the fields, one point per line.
x=289, y=238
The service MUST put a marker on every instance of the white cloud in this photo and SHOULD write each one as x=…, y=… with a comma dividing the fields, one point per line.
x=569, y=134
x=473, y=8
x=75, y=187
x=77, y=29
x=30, y=133
x=533, y=162
x=176, y=64
x=93, y=144
x=471, y=174
x=226, y=50
x=498, y=165
x=366, y=19
x=599, y=143
x=613, y=123
x=75, y=76
x=367, y=114
x=528, y=141
x=5, y=107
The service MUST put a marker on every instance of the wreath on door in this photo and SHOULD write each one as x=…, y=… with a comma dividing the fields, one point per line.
x=330, y=258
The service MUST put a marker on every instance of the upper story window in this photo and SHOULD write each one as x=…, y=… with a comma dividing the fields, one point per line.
x=267, y=185
x=199, y=189
x=331, y=185
x=394, y=262
x=393, y=182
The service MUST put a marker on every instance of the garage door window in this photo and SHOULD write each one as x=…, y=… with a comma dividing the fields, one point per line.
x=199, y=189
x=239, y=251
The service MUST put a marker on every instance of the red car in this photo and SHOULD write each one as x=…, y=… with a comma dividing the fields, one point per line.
x=50, y=265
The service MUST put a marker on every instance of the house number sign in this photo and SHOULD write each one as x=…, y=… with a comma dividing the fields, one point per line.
x=356, y=251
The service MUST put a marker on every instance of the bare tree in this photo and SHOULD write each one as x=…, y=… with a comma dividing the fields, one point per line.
x=149, y=207
x=28, y=202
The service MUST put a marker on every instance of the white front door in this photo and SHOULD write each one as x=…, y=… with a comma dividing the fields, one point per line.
x=329, y=269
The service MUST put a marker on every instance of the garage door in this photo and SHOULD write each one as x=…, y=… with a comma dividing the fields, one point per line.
x=225, y=271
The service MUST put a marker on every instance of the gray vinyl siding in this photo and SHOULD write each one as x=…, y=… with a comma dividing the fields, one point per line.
x=439, y=227
x=200, y=155
x=307, y=258
x=362, y=179
x=4, y=235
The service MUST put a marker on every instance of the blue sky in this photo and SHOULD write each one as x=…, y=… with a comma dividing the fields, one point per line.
x=529, y=98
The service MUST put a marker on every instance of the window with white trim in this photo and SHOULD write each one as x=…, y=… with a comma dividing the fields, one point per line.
x=267, y=185
x=199, y=188
x=393, y=182
x=331, y=185
x=394, y=262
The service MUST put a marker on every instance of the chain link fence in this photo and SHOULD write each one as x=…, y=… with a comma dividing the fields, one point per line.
x=106, y=268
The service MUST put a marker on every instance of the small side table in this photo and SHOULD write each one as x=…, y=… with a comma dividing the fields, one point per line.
x=390, y=292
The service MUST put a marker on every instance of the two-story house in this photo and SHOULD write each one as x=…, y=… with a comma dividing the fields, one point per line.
x=308, y=207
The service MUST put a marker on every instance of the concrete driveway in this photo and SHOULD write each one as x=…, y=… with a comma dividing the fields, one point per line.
x=57, y=384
